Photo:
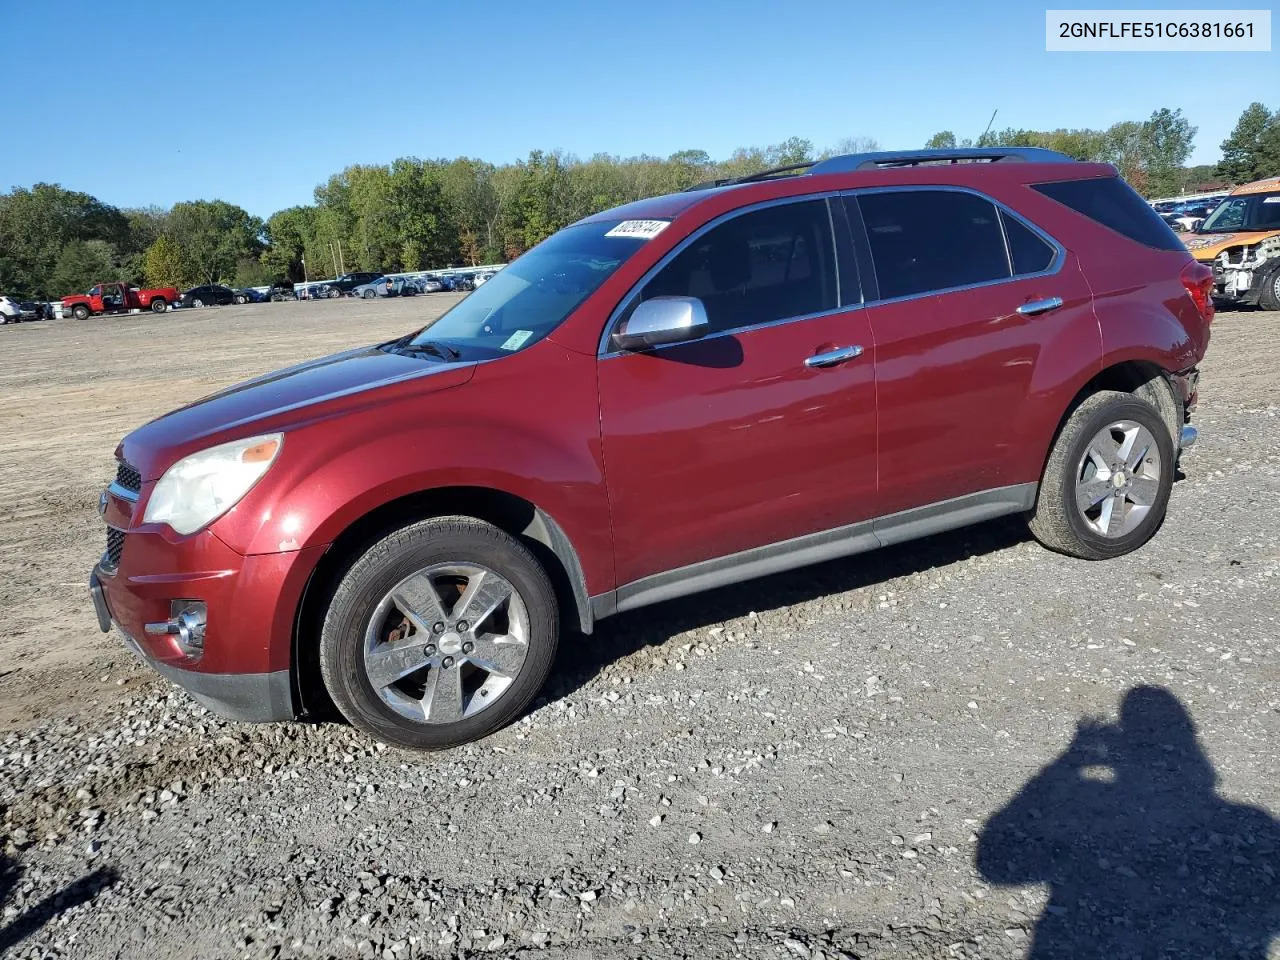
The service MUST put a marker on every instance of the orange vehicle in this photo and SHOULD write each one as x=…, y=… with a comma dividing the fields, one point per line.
x=1240, y=240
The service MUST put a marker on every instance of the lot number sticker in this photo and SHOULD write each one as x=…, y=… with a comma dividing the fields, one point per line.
x=639, y=229
x=517, y=339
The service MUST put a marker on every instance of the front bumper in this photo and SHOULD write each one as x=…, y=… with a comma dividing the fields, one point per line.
x=255, y=697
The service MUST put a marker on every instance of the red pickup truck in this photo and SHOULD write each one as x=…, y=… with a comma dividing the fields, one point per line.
x=118, y=298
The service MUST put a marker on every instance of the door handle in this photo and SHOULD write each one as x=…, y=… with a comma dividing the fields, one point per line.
x=832, y=357
x=1036, y=307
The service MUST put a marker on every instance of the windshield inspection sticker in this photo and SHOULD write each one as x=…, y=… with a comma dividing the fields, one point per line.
x=639, y=229
x=517, y=339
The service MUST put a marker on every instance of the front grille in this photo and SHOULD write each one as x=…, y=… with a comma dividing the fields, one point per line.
x=128, y=477
x=115, y=547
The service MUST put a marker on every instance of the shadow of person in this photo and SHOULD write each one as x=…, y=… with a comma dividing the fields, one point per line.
x=32, y=918
x=1142, y=857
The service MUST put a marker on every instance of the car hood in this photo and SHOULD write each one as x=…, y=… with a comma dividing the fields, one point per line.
x=1206, y=246
x=289, y=397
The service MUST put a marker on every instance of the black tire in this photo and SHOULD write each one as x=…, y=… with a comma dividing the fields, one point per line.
x=240, y=300
x=158, y=305
x=1270, y=296
x=1056, y=521
x=80, y=311
x=385, y=564
x=197, y=302
x=368, y=295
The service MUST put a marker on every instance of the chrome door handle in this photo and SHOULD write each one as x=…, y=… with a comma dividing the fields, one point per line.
x=1036, y=307
x=832, y=357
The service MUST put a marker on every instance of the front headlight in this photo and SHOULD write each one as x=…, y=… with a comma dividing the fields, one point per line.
x=198, y=489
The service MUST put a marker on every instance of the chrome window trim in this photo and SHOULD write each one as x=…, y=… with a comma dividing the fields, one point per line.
x=603, y=351
x=1055, y=266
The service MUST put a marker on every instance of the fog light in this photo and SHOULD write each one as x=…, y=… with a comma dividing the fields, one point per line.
x=187, y=625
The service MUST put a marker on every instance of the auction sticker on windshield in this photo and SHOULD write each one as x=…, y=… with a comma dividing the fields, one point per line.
x=639, y=229
x=516, y=340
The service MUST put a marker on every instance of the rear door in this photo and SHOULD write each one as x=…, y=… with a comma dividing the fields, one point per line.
x=740, y=439
x=968, y=302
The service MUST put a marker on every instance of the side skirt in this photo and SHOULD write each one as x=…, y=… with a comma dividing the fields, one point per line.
x=817, y=547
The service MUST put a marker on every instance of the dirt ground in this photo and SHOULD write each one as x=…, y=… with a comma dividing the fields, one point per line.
x=69, y=392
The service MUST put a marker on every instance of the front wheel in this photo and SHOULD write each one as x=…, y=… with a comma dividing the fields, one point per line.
x=1106, y=485
x=368, y=295
x=440, y=634
x=80, y=312
x=1270, y=298
x=158, y=305
x=241, y=300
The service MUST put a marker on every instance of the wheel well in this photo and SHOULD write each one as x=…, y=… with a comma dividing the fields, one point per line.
x=514, y=515
x=1146, y=380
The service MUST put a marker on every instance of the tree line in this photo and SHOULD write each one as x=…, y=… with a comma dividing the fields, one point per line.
x=414, y=214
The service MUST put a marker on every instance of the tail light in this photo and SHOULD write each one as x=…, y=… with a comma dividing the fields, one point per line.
x=1198, y=279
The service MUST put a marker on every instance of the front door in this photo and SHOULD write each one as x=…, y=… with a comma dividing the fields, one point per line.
x=740, y=439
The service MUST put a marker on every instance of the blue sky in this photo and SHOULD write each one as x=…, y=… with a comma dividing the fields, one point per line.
x=256, y=103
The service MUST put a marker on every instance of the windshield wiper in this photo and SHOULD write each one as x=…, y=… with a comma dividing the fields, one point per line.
x=442, y=350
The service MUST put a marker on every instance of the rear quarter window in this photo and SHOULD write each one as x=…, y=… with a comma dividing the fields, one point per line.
x=1115, y=205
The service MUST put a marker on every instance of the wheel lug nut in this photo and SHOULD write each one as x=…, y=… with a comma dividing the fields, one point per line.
x=462, y=626
x=468, y=647
x=429, y=650
x=448, y=662
x=438, y=628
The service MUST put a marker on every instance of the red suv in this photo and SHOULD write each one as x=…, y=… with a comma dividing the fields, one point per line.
x=680, y=393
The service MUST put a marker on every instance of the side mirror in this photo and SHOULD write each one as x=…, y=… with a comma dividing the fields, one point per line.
x=662, y=320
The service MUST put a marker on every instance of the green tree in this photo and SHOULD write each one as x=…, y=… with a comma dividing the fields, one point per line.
x=1167, y=139
x=942, y=140
x=1252, y=151
x=214, y=236
x=163, y=263
x=83, y=263
x=37, y=223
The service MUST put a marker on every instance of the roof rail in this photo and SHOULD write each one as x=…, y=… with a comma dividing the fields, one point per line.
x=771, y=174
x=849, y=162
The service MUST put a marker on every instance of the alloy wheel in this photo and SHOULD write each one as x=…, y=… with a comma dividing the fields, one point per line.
x=446, y=643
x=1118, y=478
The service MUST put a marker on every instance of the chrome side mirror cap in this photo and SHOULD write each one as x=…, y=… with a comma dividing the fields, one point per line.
x=662, y=320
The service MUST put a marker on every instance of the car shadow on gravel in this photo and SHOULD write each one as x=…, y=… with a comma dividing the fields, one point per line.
x=1142, y=857
x=30, y=919
x=580, y=658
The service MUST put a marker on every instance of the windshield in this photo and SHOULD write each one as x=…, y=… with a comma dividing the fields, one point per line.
x=1254, y=211
x=524, y=302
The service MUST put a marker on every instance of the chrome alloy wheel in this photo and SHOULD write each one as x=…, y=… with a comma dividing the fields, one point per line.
x=446, y=643
x=1118, y=478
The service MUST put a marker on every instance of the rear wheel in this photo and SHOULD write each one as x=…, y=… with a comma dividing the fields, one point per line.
x=197, y=302
x=1106, y=485
x=440, y=634
x=240, y=299
x=158, y=305
x=80, y=312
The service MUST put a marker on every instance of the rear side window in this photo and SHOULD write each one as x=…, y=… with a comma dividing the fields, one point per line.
x=769, y=264
x=1027, y=249
x=1114, y=204
x=923, y=240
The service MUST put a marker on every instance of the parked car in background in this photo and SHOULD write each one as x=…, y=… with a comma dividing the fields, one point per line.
x=118, y=297
x=480, y=278
x=250, y=295
x=456, y=281
x=208, y=295
x=35, y=310
x=10, y=310
x=886, y=347
x=346, y=283
x=430, y=285
x=281, y=291
x=386, y=287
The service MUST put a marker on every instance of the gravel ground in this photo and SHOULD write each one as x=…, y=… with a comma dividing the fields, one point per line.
x=962, y=747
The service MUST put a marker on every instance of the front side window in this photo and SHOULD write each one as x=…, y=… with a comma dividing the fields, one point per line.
x=926, y=240
x=525, y=301
x=766, y=265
